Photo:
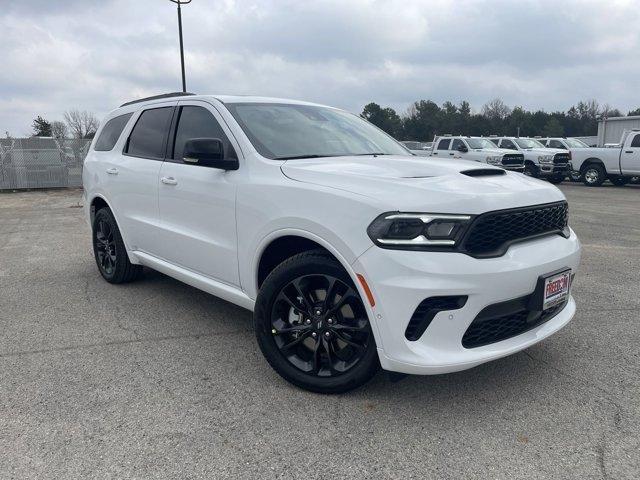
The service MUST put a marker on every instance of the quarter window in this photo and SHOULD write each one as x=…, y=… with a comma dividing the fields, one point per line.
x=147, y=138
x=111, y=132
x=444, y=144
x=636, y=141
x=198, y=122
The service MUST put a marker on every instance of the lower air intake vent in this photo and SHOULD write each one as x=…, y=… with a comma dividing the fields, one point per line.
x=428, y=309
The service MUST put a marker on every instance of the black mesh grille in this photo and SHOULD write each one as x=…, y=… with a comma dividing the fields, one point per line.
x=561, y=158
x=484, y=331
x=513, y=159
x=491, y=233
x=428, y=309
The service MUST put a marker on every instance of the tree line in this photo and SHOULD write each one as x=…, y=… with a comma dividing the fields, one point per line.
x=425, y=118
x=77, y=124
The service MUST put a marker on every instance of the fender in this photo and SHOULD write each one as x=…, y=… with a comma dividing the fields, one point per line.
x=264, y=243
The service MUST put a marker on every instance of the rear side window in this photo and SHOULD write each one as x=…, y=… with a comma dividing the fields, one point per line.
x=148, y=136
x=111, y=132
x=636, y=141
x=556, y=144
x=496, y=141
x=444, y=144
x=198, y=122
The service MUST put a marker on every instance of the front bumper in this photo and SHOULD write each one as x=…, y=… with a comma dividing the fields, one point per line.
x=548, y=169
x=400, y=280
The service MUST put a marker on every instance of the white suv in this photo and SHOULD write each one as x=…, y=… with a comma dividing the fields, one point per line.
x=352, y=253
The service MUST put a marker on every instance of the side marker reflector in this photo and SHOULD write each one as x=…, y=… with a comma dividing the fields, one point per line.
x=366, y=289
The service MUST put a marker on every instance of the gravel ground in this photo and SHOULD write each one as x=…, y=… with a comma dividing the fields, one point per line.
x=158, y=380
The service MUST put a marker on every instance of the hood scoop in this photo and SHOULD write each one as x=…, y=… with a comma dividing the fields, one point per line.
x=483, y=172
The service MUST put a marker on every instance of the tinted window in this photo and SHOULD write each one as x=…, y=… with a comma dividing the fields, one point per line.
x=556, y=144
x=111, y=132
x=147, y=137
x=508, y=144
x=198, y=122
x=495, y=141
x=444, y=144
x=457, y=143
x=636, y=141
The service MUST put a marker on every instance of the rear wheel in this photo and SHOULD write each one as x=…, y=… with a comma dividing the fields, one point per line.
x=109, y=250
x=619, y=181
x=312, y=325
x=593, y=175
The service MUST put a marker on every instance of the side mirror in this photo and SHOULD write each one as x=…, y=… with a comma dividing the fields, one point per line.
x=463, y=149
x=208, y=152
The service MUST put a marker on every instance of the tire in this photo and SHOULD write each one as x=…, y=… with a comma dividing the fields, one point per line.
x=304, y=338
x=530, y=170
x=556, y=179
x=619, y=181
x=109, y=250
x=593, y=175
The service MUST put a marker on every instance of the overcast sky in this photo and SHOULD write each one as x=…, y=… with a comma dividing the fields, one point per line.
x=96, y=54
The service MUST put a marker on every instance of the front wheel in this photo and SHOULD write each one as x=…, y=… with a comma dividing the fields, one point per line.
x=312, y=325
x=556, y=179
x=593, y=176
x=530, y=171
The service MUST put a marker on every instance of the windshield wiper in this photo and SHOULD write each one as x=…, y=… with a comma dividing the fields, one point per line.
x=371, y=153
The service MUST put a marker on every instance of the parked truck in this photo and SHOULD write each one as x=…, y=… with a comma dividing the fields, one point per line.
x=619, y=163
x=478, y=149
x=539, y=161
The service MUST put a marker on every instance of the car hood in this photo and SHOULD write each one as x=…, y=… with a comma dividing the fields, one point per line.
x=544, y=151
x=494, y=151
x=423, y=184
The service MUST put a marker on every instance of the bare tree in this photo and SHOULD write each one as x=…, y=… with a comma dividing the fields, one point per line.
x=496, y=109
x=59, y=130
x=82, y=124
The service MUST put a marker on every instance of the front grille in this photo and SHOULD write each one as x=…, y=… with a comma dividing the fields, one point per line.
x=505, y=320
x=491, y=233
x=428, y=309
x=513, y=159
x=561, y=158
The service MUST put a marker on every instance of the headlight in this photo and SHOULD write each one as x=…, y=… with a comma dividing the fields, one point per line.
x=418, y=231
x=497, y=160
x=545, y=158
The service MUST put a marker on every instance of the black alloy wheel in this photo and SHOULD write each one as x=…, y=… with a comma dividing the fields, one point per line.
x=109, y=250
x=105, y=245
x=313, y=327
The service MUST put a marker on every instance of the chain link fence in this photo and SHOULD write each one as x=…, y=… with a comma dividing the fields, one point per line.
x=38, y=162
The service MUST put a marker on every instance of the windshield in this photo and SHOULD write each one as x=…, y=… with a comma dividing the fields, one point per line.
x=284, y=131
x=575, y=143
x=480, y=143
x=528, y=143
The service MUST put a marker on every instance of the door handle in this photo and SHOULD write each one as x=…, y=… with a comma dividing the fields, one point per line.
x=169, y=181
x=628, y=151
x=112, y=171
x=452, y=154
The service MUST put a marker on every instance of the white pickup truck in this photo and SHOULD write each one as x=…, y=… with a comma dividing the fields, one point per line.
x=478, y=149
x=619, y=164
x=539, y=161
x=421, y=149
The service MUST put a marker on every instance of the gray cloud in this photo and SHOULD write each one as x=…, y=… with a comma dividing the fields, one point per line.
x=96, y=54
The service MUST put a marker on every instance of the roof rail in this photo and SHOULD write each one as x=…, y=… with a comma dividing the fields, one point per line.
x=156, y=97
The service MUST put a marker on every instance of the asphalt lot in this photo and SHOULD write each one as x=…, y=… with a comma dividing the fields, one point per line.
x=158, y=380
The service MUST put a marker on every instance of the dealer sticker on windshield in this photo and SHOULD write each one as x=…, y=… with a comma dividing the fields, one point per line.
x=556, y=289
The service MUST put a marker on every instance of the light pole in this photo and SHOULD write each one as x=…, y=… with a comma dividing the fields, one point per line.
x=181, y=2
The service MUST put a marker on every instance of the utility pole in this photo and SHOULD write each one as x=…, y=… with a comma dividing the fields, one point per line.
x=181, y=2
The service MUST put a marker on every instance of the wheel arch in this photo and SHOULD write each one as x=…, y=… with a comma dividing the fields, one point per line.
x=99, y=200
x=304, y=236
x=591, y=161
